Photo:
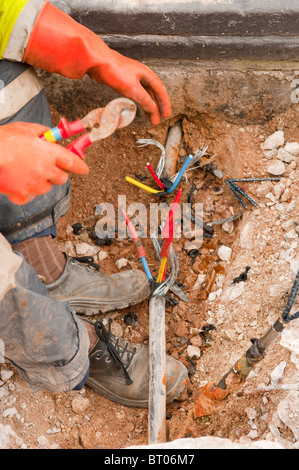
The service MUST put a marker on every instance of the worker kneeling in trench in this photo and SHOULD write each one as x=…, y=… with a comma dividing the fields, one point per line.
x=52, y=346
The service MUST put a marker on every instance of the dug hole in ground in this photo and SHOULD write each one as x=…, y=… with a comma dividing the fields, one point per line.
x=248, y=130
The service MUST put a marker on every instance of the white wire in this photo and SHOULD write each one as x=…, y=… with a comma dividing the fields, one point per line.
x=196, y=157
x=161, y=164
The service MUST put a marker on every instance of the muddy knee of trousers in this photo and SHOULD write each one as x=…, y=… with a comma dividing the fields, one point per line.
x=42, y=337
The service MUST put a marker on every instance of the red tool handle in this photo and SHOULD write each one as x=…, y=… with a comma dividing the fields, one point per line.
x=79, y=145
x=67, y=129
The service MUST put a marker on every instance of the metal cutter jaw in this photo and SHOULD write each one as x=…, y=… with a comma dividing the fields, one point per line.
x=103, y=122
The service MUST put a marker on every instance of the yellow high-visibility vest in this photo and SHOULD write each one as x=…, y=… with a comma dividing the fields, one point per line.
x=9, y=13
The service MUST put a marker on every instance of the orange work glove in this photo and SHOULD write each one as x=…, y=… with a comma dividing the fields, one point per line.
x=58, y=44
x=30, y=166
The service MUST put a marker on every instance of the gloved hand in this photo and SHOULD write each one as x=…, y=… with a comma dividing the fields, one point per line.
x=30, y=166
x=58, y=44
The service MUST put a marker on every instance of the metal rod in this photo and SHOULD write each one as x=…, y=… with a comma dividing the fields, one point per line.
x=172, y=149
x=157, y=371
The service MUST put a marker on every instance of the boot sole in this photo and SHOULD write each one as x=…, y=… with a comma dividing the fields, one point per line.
x=128, y=401
x=92, y=308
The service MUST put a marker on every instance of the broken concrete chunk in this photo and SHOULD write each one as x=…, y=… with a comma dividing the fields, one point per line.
x=288, y=412
x=292, y=147
x=277, y=168
x=83, y=249
x=274, y=141
x=285, y=156
x=10, y=412
x=269, y=154
x=278, y=189
x=287, y=195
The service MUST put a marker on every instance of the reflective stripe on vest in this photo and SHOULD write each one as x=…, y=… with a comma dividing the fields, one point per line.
x=18, y=93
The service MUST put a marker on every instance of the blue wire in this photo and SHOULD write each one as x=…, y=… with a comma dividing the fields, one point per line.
x=146, y=268
x=180, y=174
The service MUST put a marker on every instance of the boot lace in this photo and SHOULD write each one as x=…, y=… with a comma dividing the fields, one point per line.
x=87, y=260
x=117, y=351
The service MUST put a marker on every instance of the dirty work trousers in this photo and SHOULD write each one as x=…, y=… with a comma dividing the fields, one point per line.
x=41, y=337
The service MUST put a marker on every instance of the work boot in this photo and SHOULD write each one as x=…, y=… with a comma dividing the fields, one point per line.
x=119, y=370
x=89, y=291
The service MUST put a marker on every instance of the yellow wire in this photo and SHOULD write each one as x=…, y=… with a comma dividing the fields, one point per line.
x=161, y=270
x=142, y=186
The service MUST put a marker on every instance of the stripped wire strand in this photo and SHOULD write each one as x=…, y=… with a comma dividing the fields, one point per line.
x=161, y=164
x=198, y=154
x=163, y=288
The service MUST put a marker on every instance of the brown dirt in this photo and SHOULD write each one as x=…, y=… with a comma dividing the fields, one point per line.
x=104, y=424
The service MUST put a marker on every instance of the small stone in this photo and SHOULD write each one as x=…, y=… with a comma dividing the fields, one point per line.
x=246, y=237
x=277, y=168
x=212, y=297
x=43, y=441
x=274, y=141
x=294, y=266
x=224, y=253
x=68, y=248
x=6, y=375
x=201, y=278
x=10, y=412
x=278, y=189
x=121, y=263
x=193, y=352
x=285, y=156
x=102, y=255
x=291, y=235
x=83, y=249
x=4, y=392
x=253, y=434
x=271, y=197
x=286, y=196
x=237, y=291
x=277, y=373
x=292, y=147
x=263, y=188
x=196, y=341
x=80, y=404
x=53, y=430
x=228, y=227
x=251, y=413
x=269, y=154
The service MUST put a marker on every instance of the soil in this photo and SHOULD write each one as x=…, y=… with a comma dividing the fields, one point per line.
x=46, y=419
